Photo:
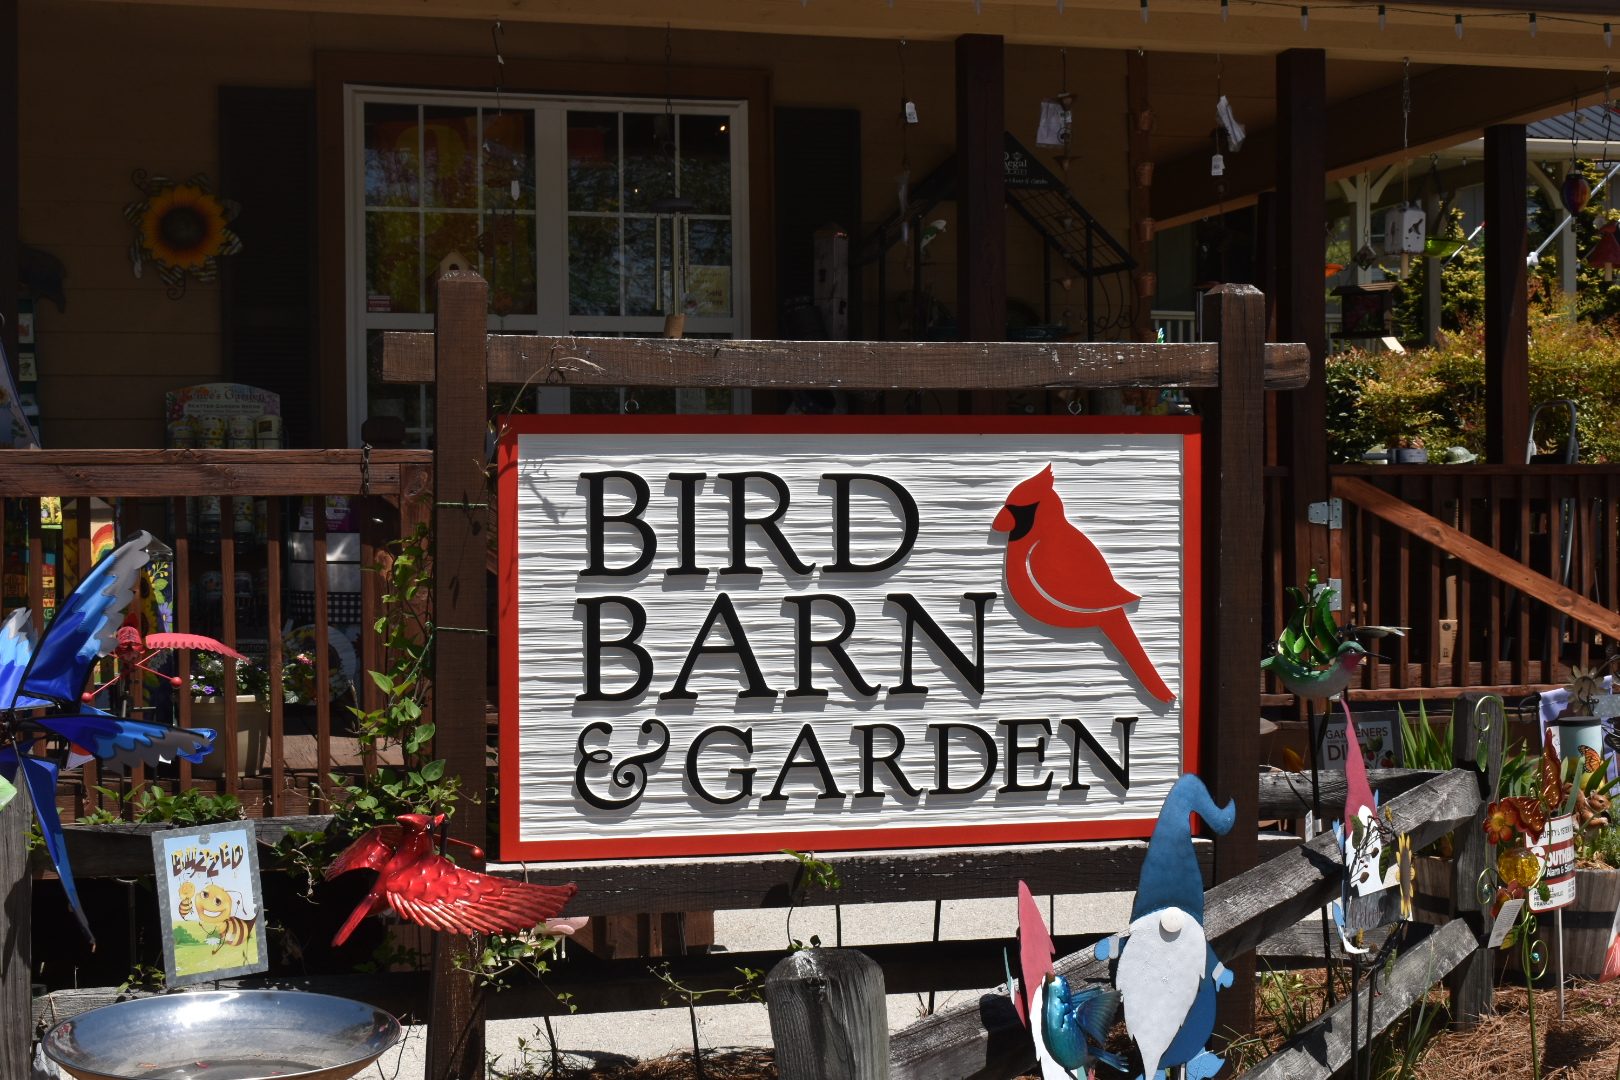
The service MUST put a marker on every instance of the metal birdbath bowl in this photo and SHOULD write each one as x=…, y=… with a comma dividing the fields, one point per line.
x=223, y=1035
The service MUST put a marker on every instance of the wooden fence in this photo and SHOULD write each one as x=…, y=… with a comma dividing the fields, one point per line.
x=234, y=585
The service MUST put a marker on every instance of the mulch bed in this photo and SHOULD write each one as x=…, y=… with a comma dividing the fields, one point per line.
x=1583, y=1046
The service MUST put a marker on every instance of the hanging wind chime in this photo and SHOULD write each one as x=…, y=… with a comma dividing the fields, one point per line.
x=673, y=206
x=1055, y=128
x=1406, y=225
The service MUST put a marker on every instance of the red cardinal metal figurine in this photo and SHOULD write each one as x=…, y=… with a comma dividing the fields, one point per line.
x=424, y=887
x=1056, y=575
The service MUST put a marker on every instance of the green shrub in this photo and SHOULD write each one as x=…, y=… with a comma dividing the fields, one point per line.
x=1438, y=395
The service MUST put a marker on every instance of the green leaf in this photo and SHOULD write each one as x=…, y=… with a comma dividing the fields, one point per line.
x=384, y=683
x=433, y=770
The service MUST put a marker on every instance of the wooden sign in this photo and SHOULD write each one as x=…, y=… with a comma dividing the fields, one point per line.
x=210, y=901
x=724, y=635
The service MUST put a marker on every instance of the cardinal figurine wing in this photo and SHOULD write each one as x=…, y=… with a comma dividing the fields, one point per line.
x=84, y=628
x=369, y=852
x=439, y=894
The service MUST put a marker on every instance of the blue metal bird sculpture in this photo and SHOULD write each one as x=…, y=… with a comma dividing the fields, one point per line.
x=40, y=688
x=1068, y=1026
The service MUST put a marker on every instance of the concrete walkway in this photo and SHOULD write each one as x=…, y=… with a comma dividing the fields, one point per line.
x=653, y=1033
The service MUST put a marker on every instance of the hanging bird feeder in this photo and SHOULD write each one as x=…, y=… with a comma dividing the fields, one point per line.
x=1576, y=192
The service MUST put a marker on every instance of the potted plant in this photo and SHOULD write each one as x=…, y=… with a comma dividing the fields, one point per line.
x=1399, y=403
x=208, y=690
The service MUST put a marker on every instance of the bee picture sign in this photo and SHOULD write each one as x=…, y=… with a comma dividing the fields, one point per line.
x=731, y=635
x=210, y=902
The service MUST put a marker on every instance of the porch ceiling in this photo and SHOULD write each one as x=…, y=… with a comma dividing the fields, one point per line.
x=1570, y=34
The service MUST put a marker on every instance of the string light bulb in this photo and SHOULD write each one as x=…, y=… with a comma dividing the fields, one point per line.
x=1304, y=16
x=1532, y=24
x=1608, y=35
x=1060, y=6
x=1458, y=25
x=1144, y=10
x=1383, y=16
x=1226, y=10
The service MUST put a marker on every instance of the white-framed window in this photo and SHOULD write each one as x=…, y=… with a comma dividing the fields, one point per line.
x=596, y=216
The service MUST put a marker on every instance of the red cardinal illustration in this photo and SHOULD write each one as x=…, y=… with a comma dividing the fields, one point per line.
x=1058, y=577
x=424, y=887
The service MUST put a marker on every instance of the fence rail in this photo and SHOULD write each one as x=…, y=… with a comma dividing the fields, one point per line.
x=1473, y=623
x=249, y=534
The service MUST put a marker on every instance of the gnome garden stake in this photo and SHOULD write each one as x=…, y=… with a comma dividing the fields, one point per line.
x=1167, y=974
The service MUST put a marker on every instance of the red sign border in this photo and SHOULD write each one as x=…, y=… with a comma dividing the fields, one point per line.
x=754, y=843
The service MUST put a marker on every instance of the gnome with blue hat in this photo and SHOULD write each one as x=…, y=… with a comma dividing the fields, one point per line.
x=1168, y=977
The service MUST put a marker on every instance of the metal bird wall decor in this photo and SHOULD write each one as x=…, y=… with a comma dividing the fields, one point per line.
x=424, y=887
x=41, y=699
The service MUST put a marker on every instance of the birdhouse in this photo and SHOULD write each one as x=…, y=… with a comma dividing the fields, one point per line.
x=1367, y=310
x=1405, y=228
x=1576, y=192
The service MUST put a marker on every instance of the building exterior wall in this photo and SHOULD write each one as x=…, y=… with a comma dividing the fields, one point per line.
x=111, y=88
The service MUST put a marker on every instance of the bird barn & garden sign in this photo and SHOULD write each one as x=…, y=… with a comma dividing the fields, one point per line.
x=734, y=635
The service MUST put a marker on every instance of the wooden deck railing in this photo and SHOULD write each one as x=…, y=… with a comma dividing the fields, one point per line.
x=1507, y=576
x=231, y=581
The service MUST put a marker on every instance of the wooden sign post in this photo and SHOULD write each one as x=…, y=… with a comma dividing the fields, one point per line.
x=1235, y=368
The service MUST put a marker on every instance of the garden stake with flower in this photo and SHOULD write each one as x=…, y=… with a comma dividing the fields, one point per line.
x=182, y=228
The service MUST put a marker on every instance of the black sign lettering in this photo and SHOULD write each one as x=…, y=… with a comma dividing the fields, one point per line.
x=890, y=761
x=628, y=643
x=942, y=757
x=745, y=736
x=1120, y=770
x=630, y=773
x=842, y=562
x=1017, y=750
x=688, y=567
x=597, y=518
x=914, y=616
x=817, y=760
x=722, y=611
x=766, y=525
x=805, y=642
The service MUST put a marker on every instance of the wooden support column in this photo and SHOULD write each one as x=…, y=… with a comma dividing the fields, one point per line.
x=1301, y=307
x=455, y=1039
x=1138, y=152
x=1233, y=494
x=10, y=174
x=1507, y=346
x=981, y=127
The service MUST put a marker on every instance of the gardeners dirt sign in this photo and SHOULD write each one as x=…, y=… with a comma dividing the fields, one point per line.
x=729, y=635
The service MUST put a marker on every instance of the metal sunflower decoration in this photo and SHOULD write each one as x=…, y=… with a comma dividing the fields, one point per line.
x=182, y=228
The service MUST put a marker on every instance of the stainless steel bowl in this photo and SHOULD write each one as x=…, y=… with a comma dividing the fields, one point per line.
x=223, y=1035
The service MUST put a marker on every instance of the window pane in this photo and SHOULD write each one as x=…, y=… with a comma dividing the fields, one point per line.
x=449, y=155
x=708, y=267
x=393, y=268
x=507, y=244
x=649, y=154
x=706, y=163
x=593, y=161
x=445, y=234
x=593, y=266
x=392, y=165
x=644, y=262
x=508, y=149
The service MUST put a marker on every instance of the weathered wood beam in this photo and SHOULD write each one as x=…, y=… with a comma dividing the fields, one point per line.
x=1323, y=1047
x=984, y=1040
x=848, y=365
x=10, y=174
x=455, y=1042
x=1377, y=501
x=1507, y=299
x=1288, y=794
x=1476, y=97
x=161, y=473
x=16, y=971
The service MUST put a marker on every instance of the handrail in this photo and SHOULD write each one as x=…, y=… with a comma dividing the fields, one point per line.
x=1453, y=542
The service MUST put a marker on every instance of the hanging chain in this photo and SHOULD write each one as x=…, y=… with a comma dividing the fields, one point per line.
x=1063, y=57
x=1406, y=125
x=497, y=32
x=669, y=77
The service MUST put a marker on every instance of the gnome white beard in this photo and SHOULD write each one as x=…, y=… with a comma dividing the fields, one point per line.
x=1159, y=971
